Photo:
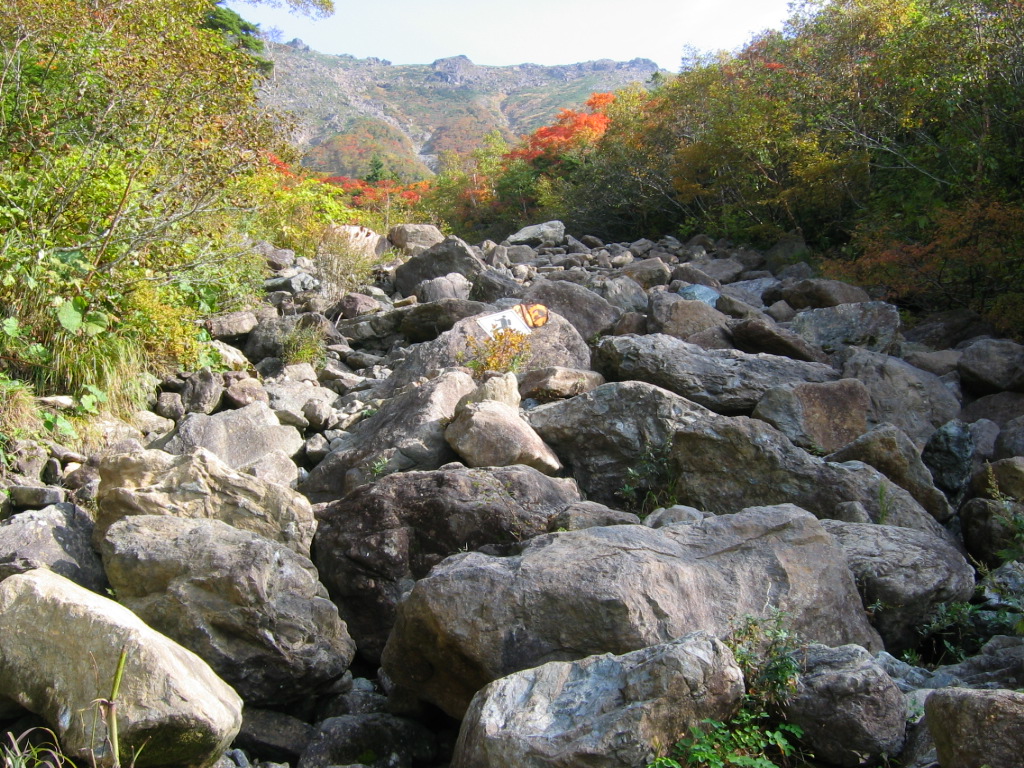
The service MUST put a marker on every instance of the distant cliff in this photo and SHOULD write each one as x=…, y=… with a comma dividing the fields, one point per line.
x=351, y=110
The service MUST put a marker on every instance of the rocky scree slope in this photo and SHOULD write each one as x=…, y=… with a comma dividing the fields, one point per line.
x=394, y=558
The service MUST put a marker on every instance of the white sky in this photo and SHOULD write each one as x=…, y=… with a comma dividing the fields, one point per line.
x=525, y=31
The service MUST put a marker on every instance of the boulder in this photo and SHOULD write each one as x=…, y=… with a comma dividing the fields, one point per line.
x=715, y=463
x=818, y=417
x=872, y=325
x=624, y=293
x=59, y=649
x=589, y=514
x=759, y=334
x=373, y=543
x=647, y=273
x=671, y=314
x=230, y=324
x=1002, y=408
x=202, y=391
x=903, y=575
x=949, y=456
x=724, y=380
x=414, y=238
x=492, y=434
x=589, y=314
x=976, y=728
x=476, y=617
x=246, y=605
x=57, y=537
x=450, y=255
x=406, y=433
x=200, y=486
x=1010, y=442
x=556, y=342
x=893, y=454
x=490, y=286
x=989, y=366
x=851, y=712
x=556, y=382
x=1000, y=479
x=425, y=322
x=566, y=713
x=219, y=434
x=816, y=292
x=987, y=529
x=376, y=740
x=914, y=400
x=945, y=330
x=550, y=233
x=453, y=286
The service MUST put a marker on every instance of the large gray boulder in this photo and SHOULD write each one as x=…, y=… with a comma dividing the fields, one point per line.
x=200, y=486
x=976, y=728
x=671, y=314
x=819, y=417
x=448, y=256
x=914, y=400
x=715, y=463
x=989, y=366
x=724, y=380
x=251, y=608
x=239, y=437
x=492, y=434
x=57, y=537
x=851, y=711
x=377, y=740
x=891, y=452
x=556, y=342
x=375, y=542
x=407, y=433
x=568, y=595
x=873, y=325
x=59, y=648
x=602, y=711
x=589, y=314
x=550, y=233
x=816, y=292
x=415, y=238
x=904, y=576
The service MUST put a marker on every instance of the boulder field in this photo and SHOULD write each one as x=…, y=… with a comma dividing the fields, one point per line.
x=434, y=543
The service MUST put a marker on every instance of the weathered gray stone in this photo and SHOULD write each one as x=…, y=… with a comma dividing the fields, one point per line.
x=450, y=255
x=890, y=451
x=230, y=324
x=557, y=382
x=819, y=417
x=1011, y=440
x=35, y=496
x=726, y=381
x=816, y=292
x=647, y=272
x=989, y=366
x=556, y=342
x=589, y=514
x=949, y=454
x=624, y=293
x=425, y=322
x=476, y=618
x=1000, y=408
x=238, y=438
x=549, y=233
x=1000, y=479
x=758, y=334
x=492, y=434
x=671, y=314
x=373, y=543
x=716, y=463
x=56, y=537
x=903, y=576
x=986, y=528
x=976, y=728
x=415, y=238
x=915, y=401
x=589, y=314
x=59, y=648
x=376, y=740
x=200, y=486
x=406, y=433
x=247, y=606
x=851, y=712
x=453, y=286
x=603, y=710
x=873, y=325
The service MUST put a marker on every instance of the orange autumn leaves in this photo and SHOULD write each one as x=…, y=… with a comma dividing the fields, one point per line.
x=571, y=130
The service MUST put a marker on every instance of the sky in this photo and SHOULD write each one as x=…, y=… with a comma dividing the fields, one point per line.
x=525, y=31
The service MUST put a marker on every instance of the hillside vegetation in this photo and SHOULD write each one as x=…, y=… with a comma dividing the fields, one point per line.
x=350, y=110
x=887, y=132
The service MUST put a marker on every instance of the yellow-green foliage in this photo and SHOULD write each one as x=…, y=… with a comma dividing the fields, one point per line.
x=305, y=345
x=508, y=350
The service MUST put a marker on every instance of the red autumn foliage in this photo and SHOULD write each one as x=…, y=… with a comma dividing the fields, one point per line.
x=570, y=130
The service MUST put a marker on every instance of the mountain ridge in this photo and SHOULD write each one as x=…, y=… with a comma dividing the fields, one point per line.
x=349, y=111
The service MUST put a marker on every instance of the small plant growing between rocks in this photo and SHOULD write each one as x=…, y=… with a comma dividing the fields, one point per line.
x=305, y=345
x=765, y=650
x=648, y=482
x=507, y=351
